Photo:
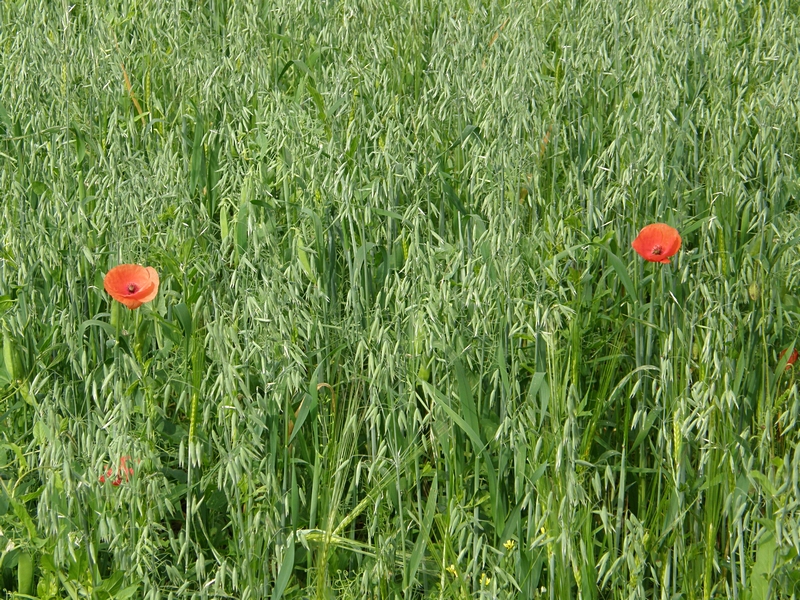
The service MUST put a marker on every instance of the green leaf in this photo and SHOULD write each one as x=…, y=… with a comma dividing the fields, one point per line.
x=38, y=187
x=184, y=317
x=473, y=435
x=692, y=226
x=646, y=426
x=197, y=168
x=22, y=514
x=4, y=116
x=466, y=133
x=223, y=223
x=539, y=387
x=299, y=64
x=241, y=220
x=513, y=521
x=422, y=538
x=318, y=101
x=6, y=302
x=9, y=355
x=80, y=146
x=451, y=194
x=622, y=272
x=46, y=563
x=387, y=213
x=113, y=582
x=129, y=592
x=537, y=474
x=319, y=242
x=764, y=482
x=302, y=256
x=765, y=559
x=309, y=403
x=467, y=401
x=285, y=572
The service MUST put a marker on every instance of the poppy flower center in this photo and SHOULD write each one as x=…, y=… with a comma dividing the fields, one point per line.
x=131, y=287
x=656, y=250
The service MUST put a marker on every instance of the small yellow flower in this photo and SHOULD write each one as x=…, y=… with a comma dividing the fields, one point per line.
x=510, y=545
x=485, y=579
x=452, y=570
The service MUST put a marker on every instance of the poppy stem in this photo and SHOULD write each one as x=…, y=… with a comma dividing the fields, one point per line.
x=115, y=319
x=137, y=342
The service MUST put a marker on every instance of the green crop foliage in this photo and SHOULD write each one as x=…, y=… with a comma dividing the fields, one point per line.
x=402, y=347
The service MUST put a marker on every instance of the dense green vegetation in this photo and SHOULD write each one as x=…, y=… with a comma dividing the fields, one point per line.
x=402, y=347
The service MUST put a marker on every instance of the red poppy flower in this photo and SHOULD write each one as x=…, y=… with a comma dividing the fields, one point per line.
x=123, y=471
x=792, y=358
x=131, y=284
x=657, y=242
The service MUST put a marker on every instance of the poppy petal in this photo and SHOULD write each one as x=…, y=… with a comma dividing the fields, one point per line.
x=146, y=294
x=792, y=358
x=141, y=293
x=132, y=285
x=672, y=244
x=131, y=303
x=123, y=472
x=657, y=242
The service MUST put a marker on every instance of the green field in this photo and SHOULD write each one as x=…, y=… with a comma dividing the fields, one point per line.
x=401, y=347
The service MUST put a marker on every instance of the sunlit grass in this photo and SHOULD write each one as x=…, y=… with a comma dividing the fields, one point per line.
x=402, y=346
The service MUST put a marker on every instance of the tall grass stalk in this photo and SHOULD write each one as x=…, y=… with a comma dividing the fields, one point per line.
x=402, y=346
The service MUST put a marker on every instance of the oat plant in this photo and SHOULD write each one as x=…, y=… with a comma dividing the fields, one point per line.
x=401, y=347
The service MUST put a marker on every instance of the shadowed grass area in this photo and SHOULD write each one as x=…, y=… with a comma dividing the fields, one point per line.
x=402, y=347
